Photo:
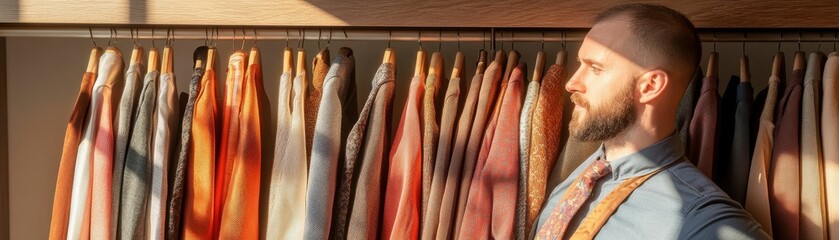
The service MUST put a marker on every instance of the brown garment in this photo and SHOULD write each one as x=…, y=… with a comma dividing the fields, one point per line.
x=72, y=136
x=430, y=134
x=545, y=134
x=441, y=163
x=784, y=170
x=449, y=201
x=812, y=220
x=489, y=89
x=703, y=127
x=320, y=67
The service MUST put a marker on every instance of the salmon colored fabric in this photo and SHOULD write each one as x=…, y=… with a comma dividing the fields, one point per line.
x=404, y=181
x=491, y=206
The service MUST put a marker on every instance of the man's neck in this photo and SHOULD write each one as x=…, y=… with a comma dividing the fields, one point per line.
x=632, y=140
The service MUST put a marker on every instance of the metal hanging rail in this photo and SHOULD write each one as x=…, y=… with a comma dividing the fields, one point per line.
x=399, y=34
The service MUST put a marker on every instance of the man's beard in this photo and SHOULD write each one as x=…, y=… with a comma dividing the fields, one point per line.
x=605, y=121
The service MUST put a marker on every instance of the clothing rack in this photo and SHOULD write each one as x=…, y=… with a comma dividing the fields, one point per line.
x=338, y=34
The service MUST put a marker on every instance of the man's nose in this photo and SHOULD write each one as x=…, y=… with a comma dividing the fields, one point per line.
x=575, y=83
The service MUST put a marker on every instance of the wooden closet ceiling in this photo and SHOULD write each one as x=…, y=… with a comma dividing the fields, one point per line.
x=393, y=13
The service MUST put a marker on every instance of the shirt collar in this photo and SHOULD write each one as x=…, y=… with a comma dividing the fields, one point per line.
x=646, y=160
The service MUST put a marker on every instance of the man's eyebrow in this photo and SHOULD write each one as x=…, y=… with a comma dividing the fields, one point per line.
x=588, y=61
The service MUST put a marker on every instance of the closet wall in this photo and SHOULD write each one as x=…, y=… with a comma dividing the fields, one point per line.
x=44, y=74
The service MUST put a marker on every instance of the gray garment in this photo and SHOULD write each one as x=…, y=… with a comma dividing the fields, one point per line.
x=136, y=177
x=126, y=116
x=677, y=203
x=326, y=147
x=173, y=224
x=524, y=157
x=441, y=162
x=355, y=213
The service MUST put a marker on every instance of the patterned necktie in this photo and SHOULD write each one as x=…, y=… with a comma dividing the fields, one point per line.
x=579, y=192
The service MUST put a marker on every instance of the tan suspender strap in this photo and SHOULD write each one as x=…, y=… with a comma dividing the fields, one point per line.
x=604, y=210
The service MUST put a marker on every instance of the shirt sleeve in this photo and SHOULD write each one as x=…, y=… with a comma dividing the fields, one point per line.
x=716, y=217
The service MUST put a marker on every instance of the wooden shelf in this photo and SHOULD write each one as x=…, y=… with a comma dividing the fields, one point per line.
x=393, y=13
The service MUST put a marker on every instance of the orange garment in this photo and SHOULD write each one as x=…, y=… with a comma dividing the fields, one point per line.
x=240, y=214
x=229, y=134
x=72, y=136
x=198, y=212
x=404, y=180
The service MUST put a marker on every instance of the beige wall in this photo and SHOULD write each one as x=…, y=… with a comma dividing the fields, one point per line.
x=44, y=73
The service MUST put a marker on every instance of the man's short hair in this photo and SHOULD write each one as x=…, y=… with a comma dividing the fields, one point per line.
x=662, y=37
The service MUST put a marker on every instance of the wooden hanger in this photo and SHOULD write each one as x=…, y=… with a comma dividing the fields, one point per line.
x=539, y=68
x=168, y=57
x=136, y=54
x=458, y=65
x=254, y=55
x=745, y=74
x=419, y=67
x=778, y=65
x=712, y=65
x=211, y=58
x=482, y=63
x=301, y=61
x=436, y=65
x=390, y=56
x=500, y=56
x=512, y=61
x=288, y=60
x=560, y=57
x=93, y=61
x=154, y=59
x=800, y=61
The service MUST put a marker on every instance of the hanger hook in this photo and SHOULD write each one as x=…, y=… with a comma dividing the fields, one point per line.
x=512, y=40
x=799, y=40
x=564, y=39
x=484, y=40
x=439, y=40
x=152, y=38
x=255, y=37
x=206, y=37
x=389, y=37
x=90, y=30
x=419, y=38
x=542, y=48
x=244, y=38
x=779, y=41
x=744, y=43
x=286, y=37
x=346, y=38
x=172, y=39
x=302, y=42
x=329, y=40
x=320, y=31
x=819, y=48
x=458, y=41
x=834, y=41
x=715, y=41
x=502, y=40
x=233, y=43
x=215, y=40
x=112, y=40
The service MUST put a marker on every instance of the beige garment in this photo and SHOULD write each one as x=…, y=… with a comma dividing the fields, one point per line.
x=757, y=193
x=830, y=141
x=441, y=164
x=811, y=222
x=430, y=137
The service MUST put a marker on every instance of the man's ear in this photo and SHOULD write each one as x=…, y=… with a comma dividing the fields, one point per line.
x=651, y=85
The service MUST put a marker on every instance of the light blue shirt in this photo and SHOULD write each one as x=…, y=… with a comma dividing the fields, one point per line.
x=677, y=203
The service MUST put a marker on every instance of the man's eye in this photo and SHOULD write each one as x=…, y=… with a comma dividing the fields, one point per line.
x=596, y=71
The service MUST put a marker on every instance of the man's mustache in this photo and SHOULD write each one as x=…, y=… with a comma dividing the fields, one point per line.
x=579, y=100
